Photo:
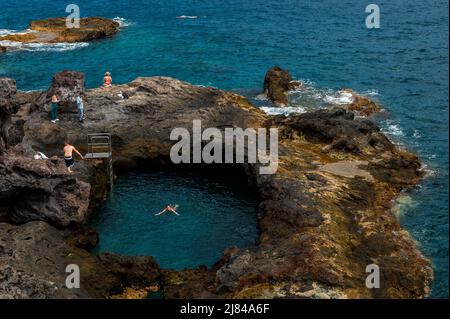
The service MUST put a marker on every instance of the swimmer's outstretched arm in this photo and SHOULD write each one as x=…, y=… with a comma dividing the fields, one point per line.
x=176, y=213
x=161, y=212
x=173, y=211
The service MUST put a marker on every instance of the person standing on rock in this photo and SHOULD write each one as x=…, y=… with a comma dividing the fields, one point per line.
x=54, y=109
x=68, y=155
x=80, y=108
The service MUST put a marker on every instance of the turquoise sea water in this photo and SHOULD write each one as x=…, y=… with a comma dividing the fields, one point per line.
x=216, y=212
x=232, y=43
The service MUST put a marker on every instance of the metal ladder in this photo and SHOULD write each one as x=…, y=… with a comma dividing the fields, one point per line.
x=100, y=147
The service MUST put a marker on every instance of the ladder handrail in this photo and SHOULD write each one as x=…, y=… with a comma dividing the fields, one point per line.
x=92, y=144
x=105, y=144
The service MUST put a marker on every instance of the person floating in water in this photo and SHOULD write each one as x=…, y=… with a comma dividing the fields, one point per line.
x=68, y=158
x=107, y=79
x=169, y=208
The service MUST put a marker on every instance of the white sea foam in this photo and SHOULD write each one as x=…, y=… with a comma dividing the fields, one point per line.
x=372, y=92
x=430, y=172
x=123, y=22
x=187, y=17
x=283, y=110
x=392, y=128
x=340, y=98
x=49, y=47
x=4, y=32
x=39, y=47
x=417, y=134
x=395, y=130
x=308, y=97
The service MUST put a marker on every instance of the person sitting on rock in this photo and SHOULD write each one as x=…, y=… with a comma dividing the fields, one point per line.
x=169, y=208
x=54, y=109
x=68, y=158
x=107, y=80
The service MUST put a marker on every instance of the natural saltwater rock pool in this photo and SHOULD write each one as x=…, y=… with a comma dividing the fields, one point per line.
x=217, y=211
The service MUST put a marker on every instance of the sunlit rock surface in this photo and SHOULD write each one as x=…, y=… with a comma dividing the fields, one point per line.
x=324, y=215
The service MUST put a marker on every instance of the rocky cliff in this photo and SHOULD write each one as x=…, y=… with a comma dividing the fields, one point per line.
x=324, y=216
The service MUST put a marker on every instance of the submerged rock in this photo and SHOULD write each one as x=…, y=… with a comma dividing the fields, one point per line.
x=324, y=215
x=277, y=83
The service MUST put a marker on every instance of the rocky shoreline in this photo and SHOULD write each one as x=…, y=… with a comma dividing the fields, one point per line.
x=54, y=30
x=323, y=217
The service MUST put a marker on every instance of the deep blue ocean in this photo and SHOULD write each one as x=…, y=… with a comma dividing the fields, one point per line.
x=231, y=44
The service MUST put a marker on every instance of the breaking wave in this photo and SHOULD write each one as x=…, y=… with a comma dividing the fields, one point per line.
x=40, y=47
x=123, y=23
x=4, y=32
x=393, y=129
x=282, y=110
x=49, y=47
x=340, y=98
x=308, y=97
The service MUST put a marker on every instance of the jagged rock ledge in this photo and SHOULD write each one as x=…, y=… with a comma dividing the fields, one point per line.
x=324, y=216
x=54, y=30
x=278, y=83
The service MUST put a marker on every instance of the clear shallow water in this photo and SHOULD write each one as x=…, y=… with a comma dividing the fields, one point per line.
x=216, y=212
x=325, y=43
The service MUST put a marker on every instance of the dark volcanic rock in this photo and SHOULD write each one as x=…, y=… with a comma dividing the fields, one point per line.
x=83, y=236
x=8, y=106
x=34, y=257
x=67, y=85
x=276, y=83
x=323, y=216
x=337, y=128
x=132, y=122
x=134, y=271
x=40, y=190
x=7, y=93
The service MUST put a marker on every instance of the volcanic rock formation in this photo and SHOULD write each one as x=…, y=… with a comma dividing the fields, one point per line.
x=55, y=30
x=324, y=215
x=8, y=106
x=277, y=83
